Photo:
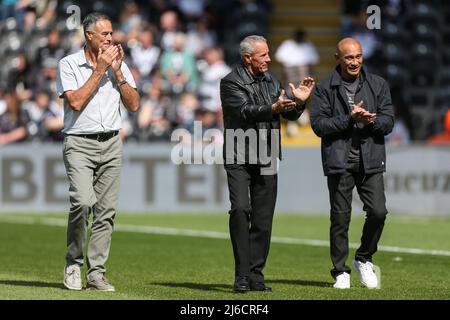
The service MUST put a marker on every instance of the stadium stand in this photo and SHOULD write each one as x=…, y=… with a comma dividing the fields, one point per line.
x=411, y=50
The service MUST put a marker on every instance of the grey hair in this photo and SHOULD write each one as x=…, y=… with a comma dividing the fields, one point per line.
x=91, y=19
x=248, y=44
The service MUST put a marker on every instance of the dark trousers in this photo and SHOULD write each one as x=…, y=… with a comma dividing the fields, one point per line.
x=252, y=198
x=370, y=188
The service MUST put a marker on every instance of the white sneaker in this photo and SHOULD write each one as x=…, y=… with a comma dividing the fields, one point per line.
x=366, y=275
x=72, y=277
x=342, y=281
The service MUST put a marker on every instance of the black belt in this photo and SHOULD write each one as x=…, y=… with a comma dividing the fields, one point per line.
x=100, y=137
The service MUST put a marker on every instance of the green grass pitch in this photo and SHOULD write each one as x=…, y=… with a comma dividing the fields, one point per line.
x=171, y=267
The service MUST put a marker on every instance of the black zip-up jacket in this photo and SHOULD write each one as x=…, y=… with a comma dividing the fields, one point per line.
x=331, y=120
x=247, y=105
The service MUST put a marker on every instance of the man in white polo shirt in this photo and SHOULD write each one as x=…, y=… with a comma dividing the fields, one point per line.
x=93, y=82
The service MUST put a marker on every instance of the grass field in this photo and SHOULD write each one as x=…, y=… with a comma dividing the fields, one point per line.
x=173, y=256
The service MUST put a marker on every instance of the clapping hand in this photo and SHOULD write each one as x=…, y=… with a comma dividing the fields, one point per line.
x=361, y=115
x=117, y=62
x=283, y=104
x=107, y=57
x=304, y=89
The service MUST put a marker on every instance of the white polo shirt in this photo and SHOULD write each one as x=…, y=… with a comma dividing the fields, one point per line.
x=102, y=112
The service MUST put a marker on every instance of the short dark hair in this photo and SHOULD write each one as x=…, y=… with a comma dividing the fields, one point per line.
x=92, y=18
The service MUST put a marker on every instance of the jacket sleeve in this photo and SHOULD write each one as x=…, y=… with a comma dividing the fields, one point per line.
x=384, y=121
x=236, y=100
x=323, y=122
x=295, y=113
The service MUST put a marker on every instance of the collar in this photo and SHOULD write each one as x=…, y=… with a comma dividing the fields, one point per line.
x=336, y=78
x=81, y=58
x=247, y=77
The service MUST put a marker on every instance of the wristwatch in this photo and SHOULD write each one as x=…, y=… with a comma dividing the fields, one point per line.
x=119, y=83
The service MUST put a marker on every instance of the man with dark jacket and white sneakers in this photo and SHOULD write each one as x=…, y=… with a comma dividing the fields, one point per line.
x=352, y=112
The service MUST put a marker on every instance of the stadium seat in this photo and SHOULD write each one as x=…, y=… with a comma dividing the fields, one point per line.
x=417, y=96
x=392, y=32
x=442, y=98
x=424, y=61
x=426, y=33
x=246, y=29
x=394, y=52
x=446, y=17
x=444, y=77
x=396, y=75
x=422, y=78
x=424, y=13
x=424, y=53
x=445, y=52
x=433, y=3
x=421, y=118
x=446, y=37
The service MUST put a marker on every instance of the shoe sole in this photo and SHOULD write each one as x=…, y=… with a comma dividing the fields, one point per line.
x=103, y=290
x=72, y=288
x=341, y=287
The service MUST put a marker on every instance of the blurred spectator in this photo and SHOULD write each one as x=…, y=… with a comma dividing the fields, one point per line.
x=20, y=78
x=209, y=89
x=53, y=49
x=46, y=78
x=145, y=55
x=178, y=69
x=127, y=129
x=354, y=26
x=45, y=12
x=298, y=57
x=400, y=132
x=46, y=116
x=248, y=17
x=152, y=120
x=13, y=121
x=2, y=101
x=444, y=137
x=200, y=38
x=12, y=8
x=29, y=23
x=130, y=23
x=170, y=25
x=76, y=40
x=156, y=10
x=186, y=109
x=165, y=61
x=191, y=9
x=209, y=120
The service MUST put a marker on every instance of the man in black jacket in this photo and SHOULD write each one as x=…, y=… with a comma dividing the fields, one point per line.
x=252, y=102
x=352, y=112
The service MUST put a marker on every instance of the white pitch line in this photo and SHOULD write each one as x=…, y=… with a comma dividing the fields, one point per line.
x=213, y=235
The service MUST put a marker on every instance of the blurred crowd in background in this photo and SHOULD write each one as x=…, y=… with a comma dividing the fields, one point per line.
x=178, y=50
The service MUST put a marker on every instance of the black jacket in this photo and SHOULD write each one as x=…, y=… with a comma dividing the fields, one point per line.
x=247, y=105
x=331, y=120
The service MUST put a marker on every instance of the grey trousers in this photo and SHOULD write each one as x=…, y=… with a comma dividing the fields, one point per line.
x=93, y=169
